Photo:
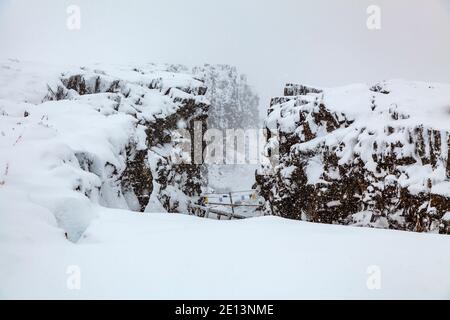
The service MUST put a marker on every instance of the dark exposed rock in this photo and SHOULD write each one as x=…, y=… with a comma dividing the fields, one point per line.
x=78, y=84
x=187, y=177
x=59, y=94
x=379, y=87
x=137, y=176
x=299, y=90
x=448, y=160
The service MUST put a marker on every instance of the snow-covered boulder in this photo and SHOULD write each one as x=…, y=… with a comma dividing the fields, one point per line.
x=73, y=137
x=366, y=155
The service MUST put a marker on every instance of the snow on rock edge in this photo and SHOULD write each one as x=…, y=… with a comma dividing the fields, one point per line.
x=72, y=138
x=381, y=149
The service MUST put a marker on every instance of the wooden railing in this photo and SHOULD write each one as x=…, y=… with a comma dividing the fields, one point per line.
x=207, y=210
x=204, y=208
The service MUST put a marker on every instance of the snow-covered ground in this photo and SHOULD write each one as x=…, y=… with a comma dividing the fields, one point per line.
x=131, y=255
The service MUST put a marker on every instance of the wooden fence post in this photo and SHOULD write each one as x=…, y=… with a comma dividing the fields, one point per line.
x=232, y=206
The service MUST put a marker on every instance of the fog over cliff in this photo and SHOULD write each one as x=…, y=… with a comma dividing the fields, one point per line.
x=323, y=42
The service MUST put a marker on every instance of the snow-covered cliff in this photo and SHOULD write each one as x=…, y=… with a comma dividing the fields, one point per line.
x=74, y=137
x=365, y=155
x=234, y=104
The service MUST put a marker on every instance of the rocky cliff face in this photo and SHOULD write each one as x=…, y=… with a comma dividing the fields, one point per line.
x=371, y=156
x=119, y=126
x=160, y=101
x=234, y=104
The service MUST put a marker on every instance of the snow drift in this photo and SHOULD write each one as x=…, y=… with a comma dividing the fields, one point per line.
x=126, y=255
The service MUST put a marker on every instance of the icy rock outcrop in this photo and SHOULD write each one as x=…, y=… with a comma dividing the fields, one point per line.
x=234, y=103
x=100, y=135
x=374, y=156
x=182, y=98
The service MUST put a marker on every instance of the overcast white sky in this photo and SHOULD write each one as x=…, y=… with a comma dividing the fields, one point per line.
x=318, y=42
